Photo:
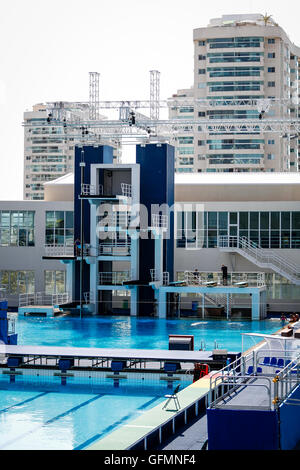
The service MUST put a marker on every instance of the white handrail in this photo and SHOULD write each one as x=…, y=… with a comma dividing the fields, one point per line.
x=261, y=255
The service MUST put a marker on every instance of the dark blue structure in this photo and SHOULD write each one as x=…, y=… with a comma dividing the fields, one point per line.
x=156, y=188
x=5, y=336
x=89, y=155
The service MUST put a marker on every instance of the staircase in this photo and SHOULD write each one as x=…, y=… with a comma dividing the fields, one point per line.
x=262, y=257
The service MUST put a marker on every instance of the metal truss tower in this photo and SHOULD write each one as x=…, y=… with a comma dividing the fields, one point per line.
x=154, y=94
x=94, y=96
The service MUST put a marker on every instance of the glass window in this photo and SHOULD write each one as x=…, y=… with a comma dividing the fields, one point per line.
x=253, y=220
x=275, y=220
x=264, y=220
x=285, y=220
x=243, y=216
x=223, y=220
x=212, y=220
x=55, y=282
x=16, y=228
x=59, y=227
x=233, y=217
x=296, y=220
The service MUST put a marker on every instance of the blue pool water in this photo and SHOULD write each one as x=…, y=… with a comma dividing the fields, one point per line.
x=141, y=333
x=37, y=412
x=41, y=416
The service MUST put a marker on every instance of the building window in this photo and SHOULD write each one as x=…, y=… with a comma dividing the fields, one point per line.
x=59, y=228
x=271, y=142
x=201, y=57
x=271, y=156
x=17, y=228
x=201, y=71
x=55, y=282
x=17, y=282
x=201, y=43
x=271, y=41
x=271, y=69
x=271, y=55
x=271, y=84
x=201, y=113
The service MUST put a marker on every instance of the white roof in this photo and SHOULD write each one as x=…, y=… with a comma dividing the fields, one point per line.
x=237, y=178
x=65, y=179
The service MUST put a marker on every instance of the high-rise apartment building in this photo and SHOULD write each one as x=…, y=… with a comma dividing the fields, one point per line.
x=238, y=60
x=47, y=155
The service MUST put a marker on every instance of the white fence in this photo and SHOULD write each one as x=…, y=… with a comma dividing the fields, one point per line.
x=113, y=278
x=42, y=298
x=91, y=190
x=59, y=250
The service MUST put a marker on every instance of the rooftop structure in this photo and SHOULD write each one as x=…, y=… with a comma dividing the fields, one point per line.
x=240, y=61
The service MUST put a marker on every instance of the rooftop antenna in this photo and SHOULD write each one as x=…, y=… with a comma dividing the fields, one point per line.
x=154, y=94
x=94, y=96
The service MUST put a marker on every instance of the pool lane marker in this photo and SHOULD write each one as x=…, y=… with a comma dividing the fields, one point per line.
x=113, y=426
x=52, y=420
x=4, y=410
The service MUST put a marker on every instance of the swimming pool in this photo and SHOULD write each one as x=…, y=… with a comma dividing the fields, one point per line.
x=137, y=333
x=38, y=413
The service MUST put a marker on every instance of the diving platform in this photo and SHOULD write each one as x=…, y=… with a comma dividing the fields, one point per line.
x=257, y=295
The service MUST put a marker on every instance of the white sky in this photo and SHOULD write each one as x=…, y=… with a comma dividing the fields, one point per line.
x=47, y=50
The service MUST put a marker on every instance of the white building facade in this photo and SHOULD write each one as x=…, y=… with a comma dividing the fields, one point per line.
x=239, y=60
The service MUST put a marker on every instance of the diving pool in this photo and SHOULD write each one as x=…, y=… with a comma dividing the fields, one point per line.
x=137, y=333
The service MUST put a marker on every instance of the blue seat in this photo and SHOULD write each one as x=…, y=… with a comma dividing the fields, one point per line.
x=280, y=363
x=266, y=361
x=287, y=362
x=259, y=370
x=250, y=370
x=273, y=361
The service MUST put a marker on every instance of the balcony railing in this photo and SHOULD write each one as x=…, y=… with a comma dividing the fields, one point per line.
x=91, y=190
x=233, y=279
x=114, y=249
x=43, y=298
x=115, y=278
x=59, y=250
x=126, y=189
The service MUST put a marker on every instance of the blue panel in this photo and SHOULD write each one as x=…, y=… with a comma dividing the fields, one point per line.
x=14, y=361
x=289, y=422
x=242, y=430
x=65, y=364
x=156, y=187
x=117, y=366
x=3, y=321
x=101, y=154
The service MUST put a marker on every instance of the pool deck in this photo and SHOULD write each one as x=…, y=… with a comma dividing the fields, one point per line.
x=153, y=420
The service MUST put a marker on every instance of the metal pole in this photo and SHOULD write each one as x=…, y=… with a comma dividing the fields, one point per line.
x=82, y=166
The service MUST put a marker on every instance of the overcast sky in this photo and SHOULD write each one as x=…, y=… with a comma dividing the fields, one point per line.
x=47, y=50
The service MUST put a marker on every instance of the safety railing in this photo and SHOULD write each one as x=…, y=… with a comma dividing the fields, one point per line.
x=91, y=189
x=159, y=221
x=114, y=249
x=113, y=278
x=126, y=190
x=157, y=276
x=277, y=372
x=11, y=324
x=233, y=279
x=59, y=250
x=114, y=219
x=261, y=256
x=43, y=298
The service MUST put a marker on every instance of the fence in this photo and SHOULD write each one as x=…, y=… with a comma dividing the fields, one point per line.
x=43, y=298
